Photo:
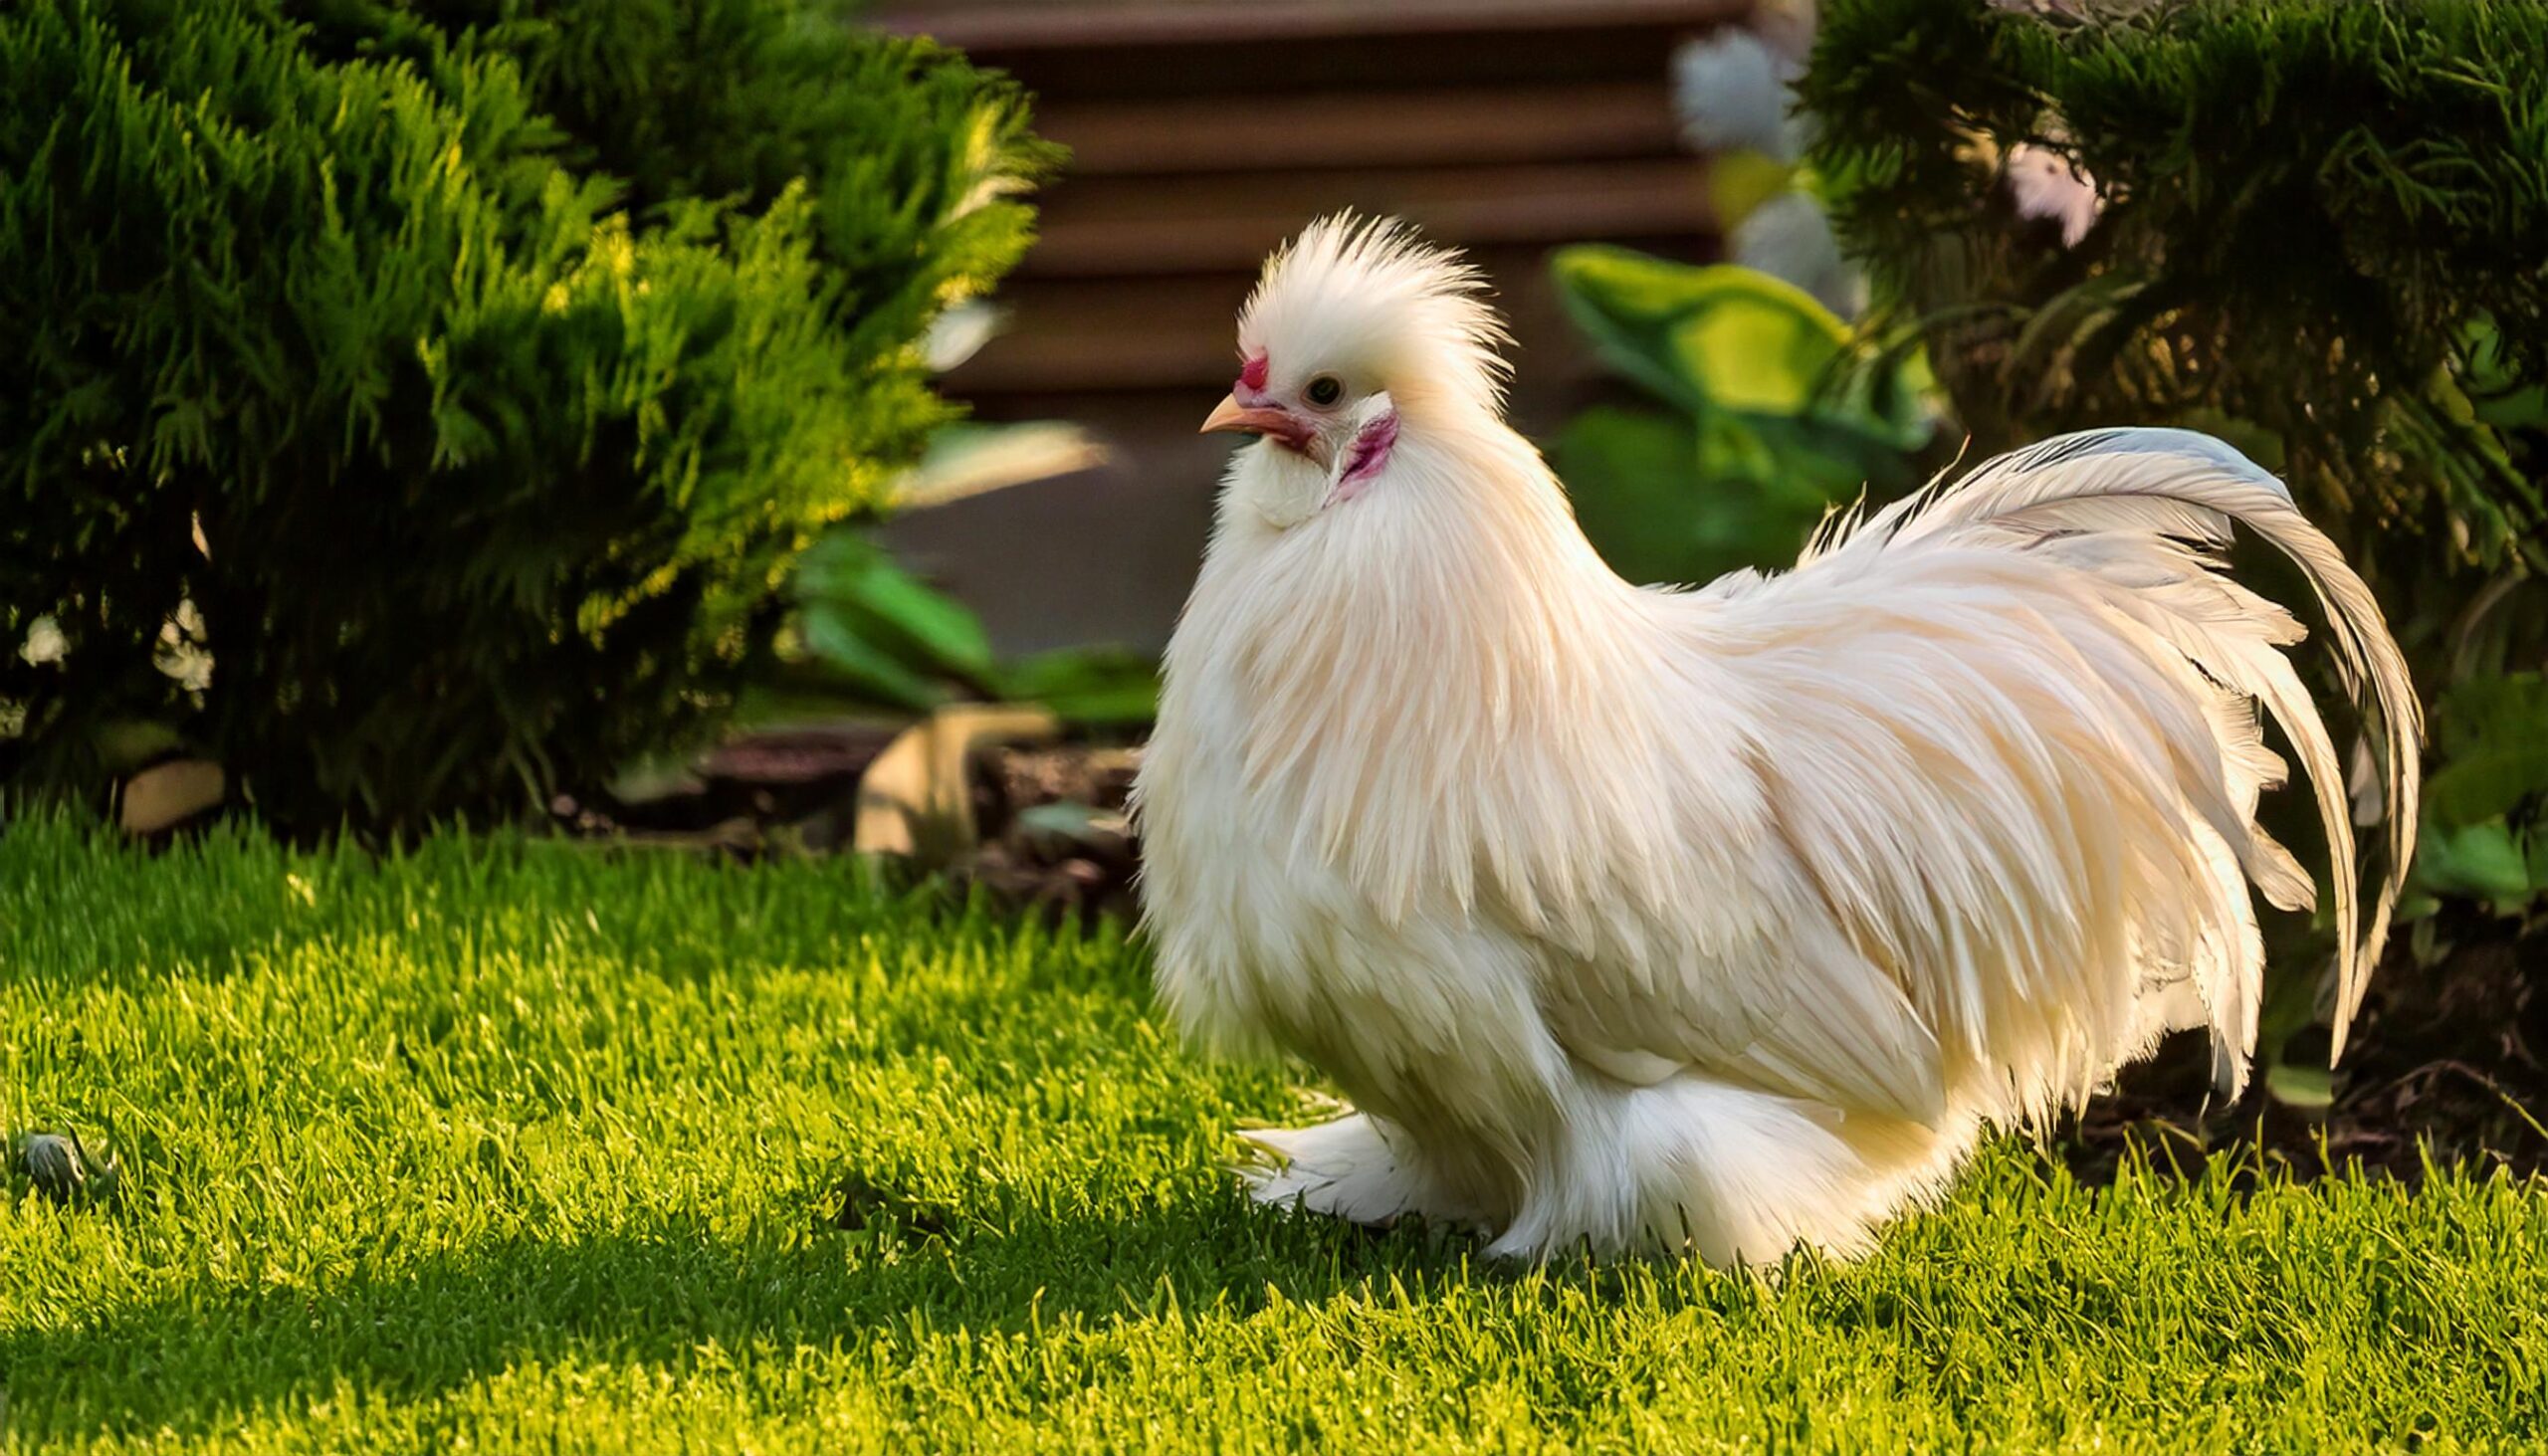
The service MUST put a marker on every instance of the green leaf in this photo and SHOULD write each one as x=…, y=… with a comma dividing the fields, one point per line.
x=940, y=629
x=2488, y=783
x=2300, y=1086
x=1663, y=504
x=1721, y=341
x=2488, y=711
x=2491, y=733
x=2480, y=862
x=2496, y=395
x=838, y=642
x=1091, y=687
x=868, y=595
x=1703, y=338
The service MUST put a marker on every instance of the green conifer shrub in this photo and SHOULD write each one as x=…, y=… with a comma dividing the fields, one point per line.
x=459, y=380
x=2322, y=235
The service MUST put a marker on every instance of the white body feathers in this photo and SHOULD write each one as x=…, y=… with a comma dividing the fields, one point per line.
x=1719, y=919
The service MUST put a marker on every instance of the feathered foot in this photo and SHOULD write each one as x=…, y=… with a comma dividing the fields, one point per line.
x=1343, y=1168
x=1732, y=1174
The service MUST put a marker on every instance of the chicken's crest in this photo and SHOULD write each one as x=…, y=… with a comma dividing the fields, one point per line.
x=1366, y=297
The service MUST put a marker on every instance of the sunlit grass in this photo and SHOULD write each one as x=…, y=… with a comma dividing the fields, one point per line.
x=519, y=1146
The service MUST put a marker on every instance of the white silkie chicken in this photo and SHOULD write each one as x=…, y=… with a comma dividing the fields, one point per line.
x=1719, y=919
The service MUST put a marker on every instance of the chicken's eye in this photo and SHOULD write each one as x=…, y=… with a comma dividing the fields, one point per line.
x=1323, y=390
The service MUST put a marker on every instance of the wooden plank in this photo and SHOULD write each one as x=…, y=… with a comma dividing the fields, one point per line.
x=1097, y=227
x=1120, y=335
x=1250, y=133
x=1079, y=27
x=1282, y=47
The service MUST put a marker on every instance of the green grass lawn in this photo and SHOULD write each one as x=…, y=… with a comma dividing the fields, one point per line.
x=519, y=1145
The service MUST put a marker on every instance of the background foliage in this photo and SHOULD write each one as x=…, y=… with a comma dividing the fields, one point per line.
x=419, y=403
x=1767, y=411
x=2322, y=233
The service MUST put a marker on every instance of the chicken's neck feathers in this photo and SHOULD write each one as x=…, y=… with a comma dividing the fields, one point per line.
x=1444, y=687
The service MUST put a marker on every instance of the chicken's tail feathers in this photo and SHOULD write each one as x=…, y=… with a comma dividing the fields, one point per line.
x=2146, y=510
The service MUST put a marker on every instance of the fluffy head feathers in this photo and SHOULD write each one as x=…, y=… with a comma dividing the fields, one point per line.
x=1368, y=300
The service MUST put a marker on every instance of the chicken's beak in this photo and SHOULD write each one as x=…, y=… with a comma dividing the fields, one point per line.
x=1277, y=425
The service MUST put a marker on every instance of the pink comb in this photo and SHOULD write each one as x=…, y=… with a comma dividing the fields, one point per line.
x=1252, y=373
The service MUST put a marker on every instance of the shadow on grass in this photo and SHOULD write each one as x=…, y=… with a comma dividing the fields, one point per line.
x=658, y=1293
